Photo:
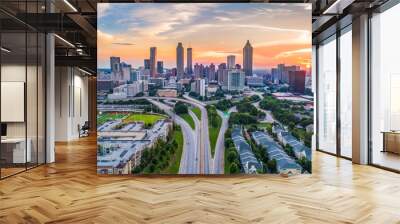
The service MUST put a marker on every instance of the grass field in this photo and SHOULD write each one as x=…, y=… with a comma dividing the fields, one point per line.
x=213, y=131
x=148, y=119
x=109, y=116
x=173, y=167
x=188, y=119
x=197, y=111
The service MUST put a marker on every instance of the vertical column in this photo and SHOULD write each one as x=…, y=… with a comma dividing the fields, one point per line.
x=50, y=92
x=360, y=89
x=50, y=98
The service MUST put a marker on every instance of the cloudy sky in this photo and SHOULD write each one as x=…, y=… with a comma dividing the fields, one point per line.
x=279, y=33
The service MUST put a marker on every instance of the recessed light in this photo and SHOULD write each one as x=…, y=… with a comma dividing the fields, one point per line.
x=70, y=5
x=64, y=40
x=5, y=50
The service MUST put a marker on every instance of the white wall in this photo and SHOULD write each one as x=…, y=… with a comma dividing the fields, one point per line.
x=71, y=103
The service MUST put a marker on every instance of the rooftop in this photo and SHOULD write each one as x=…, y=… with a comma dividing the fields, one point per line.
x=275, y=151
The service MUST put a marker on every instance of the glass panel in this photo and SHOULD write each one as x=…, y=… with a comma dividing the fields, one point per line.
x=327, y=96
x=385, y=84
x=41, y=99
x=346, y=94
x=31, y=98
x=13, y=85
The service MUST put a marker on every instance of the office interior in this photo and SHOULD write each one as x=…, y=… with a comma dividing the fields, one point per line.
x=48, y=79
x=358, y=83
x=45, y=87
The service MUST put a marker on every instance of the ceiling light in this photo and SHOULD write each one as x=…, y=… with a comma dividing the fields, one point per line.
x=70, y=5
x=338, y=6
x=64, y=40
x=86, y=72
x=5, y=50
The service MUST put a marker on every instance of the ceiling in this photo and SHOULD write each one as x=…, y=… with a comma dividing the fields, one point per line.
x=74, y=21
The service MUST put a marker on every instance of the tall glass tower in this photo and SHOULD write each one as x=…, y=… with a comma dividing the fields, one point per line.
x=248, y=59
x=179, y=61
x=189, y=67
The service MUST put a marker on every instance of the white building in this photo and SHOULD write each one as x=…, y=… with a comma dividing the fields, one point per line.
x=134, y=88
x=199, y=86
x=235, y=80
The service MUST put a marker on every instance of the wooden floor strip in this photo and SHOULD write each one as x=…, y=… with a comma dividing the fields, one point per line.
x=70, y=191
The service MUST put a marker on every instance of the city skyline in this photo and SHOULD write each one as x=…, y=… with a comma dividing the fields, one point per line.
x=131, y=37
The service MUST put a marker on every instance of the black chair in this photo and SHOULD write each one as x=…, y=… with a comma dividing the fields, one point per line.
x=84, y=130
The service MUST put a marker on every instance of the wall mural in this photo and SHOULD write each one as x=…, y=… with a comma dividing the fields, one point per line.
x=203, y=88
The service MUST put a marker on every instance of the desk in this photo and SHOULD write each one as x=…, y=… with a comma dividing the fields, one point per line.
x=391, y=141
x=13, y=150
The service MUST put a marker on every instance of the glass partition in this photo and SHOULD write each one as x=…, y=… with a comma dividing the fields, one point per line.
x=346, y=93
x=13, y=117
x=22, y=77
x=327, y=95
x=385, y=89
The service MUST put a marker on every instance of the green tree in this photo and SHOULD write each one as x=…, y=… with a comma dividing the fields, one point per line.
x=272, y=166
x=181, y=108
x=234, y=168
x=228, y=143
x=232, y=155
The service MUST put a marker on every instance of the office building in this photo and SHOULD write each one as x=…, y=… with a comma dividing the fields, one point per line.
x=134, y=88
x=297, y=81
x=153, y=61
x=199, y=87
x=125, y=72
x=147, y=64
x=115, y=64
x=248, y=59
x=134, y=76
x=233, y=80
x=231, y=61
x=220, y=73
x=287, y=70
x=160, y=67
x=197, y=71
x=255, y=81
x=211, y=75
x=189, y=68
x=159, y=82
x=179, y=61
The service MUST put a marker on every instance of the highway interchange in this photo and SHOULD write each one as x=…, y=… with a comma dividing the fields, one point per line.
x=196, y=156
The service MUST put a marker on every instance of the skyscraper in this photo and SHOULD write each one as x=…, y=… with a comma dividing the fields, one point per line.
x=153, y=61
x=179, y=61
x=146, y=63
x=297, y=81
x=125, y=72
x=220, y=73
x=160, y=67
x=231, y=61
x=248, y=59
x=189, y=67
x=115, y=64
x=197, y=70
x=211, y=72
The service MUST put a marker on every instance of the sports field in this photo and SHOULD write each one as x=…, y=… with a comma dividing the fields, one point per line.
x=109, y=116
x=148, y=119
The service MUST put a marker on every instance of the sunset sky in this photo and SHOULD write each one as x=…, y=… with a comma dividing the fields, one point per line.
x=279, y=33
